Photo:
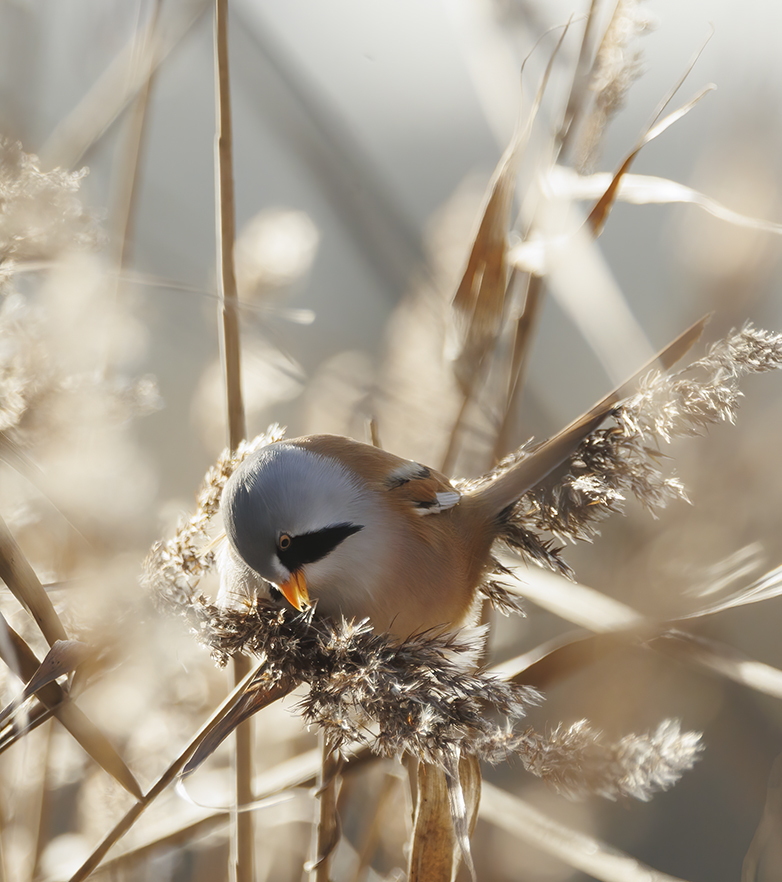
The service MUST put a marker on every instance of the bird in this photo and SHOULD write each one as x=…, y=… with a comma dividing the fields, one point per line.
x=370, y=535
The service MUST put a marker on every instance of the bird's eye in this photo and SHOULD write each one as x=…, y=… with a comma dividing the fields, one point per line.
x=284, y=542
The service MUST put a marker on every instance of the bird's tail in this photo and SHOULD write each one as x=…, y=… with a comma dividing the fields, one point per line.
x=510, y=485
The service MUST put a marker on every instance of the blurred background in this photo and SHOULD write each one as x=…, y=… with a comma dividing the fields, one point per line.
x=365, y=135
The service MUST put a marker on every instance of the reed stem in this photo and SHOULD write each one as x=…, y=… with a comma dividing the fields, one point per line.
x=244, y=839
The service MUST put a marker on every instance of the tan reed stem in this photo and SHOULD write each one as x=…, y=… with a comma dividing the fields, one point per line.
x=226, y=225
x=327, y=830
x=128, y=184
x=522, y=346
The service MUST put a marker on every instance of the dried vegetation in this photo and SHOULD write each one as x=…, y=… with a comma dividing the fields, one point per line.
x=81, y=665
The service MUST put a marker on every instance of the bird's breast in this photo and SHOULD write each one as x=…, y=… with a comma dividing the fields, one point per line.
x=406, y=575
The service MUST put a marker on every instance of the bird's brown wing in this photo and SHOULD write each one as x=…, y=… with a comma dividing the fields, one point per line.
x=407, y=483
x=426, y=491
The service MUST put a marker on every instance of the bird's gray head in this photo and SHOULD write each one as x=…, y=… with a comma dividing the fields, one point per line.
x=286, y=506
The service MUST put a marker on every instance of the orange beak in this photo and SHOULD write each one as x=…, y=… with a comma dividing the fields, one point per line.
x=295, y=591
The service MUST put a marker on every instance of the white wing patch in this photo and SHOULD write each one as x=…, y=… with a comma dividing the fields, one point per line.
x=441, y=502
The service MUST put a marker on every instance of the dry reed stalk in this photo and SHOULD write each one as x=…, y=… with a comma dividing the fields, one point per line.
x=522, y=348
x=17, y=655
x=577, y=102
x=129, y=167
x=111, y=93
x=767, y=833
x=481, y=299
x=299, y=772
x=577, y=99
x=24, y=584
x=245, y=828
x=244, y=842
x=526, y=823
x=44, y=805
x=167, y=778
x=326, y=830
x=35, y=717
x=226, y=235
x=374, y=831
x=444, y=820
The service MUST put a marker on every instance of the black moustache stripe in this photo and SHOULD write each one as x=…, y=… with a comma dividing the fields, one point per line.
x=309, y=547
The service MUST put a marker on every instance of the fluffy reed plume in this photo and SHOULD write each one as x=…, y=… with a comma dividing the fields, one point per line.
x=416, y=698
x=617, y=65
x=41, y=218
x=618, y=460
x=45, y=227
x=41, y=215
x=68, y=356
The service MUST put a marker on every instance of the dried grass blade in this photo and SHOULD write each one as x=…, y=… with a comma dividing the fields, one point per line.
x=111, y=93
x=24, y=663
x=651, y=190
x=579, y=88
x=599, y=214
x=257, y=696
x=557, y=659
x=479, y=302
x=767, y=587
x=769, y=826
x=463, y=780
x=480, y=297
x=23, y=583
x=721, y=659
x=575, y=849
x=170, y=775
x=647, y=190
x=35, y=717
x=63, y=658
x=617, y=625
